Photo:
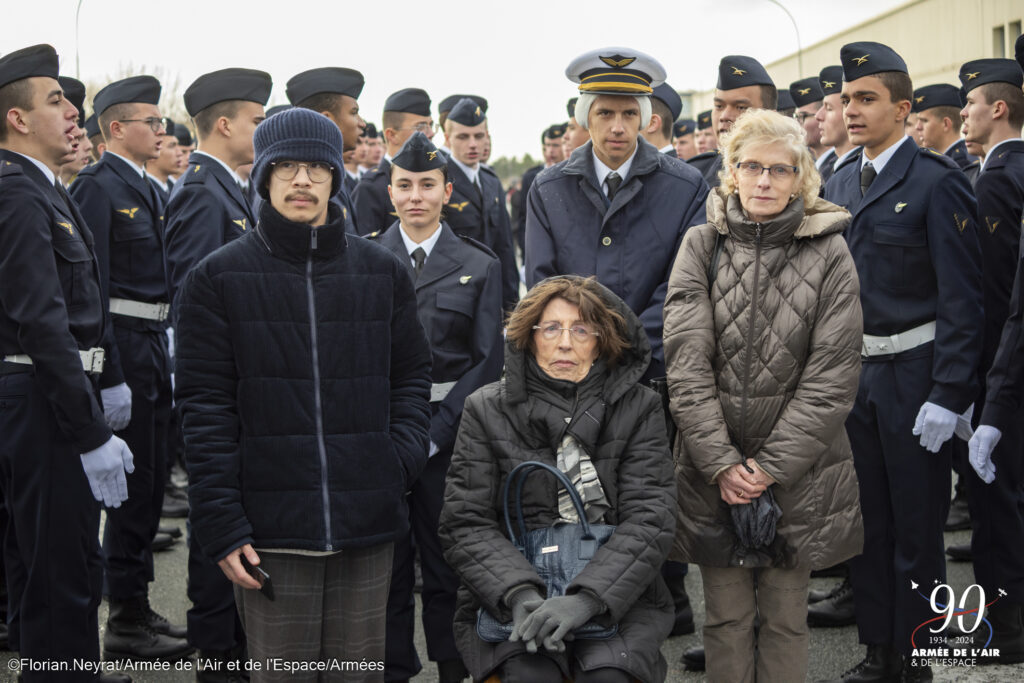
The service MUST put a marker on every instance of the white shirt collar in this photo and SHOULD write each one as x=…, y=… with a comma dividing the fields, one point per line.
x=991, y=152
x=41, y=166
x=158, y=181
x=470, y=172
x=231, y=171
x=820, y=161
x=138, y=169
x=353, y=176
x=843, y=158
x=426, y=245
x=667, y=148
x=882, y=159
x=602, y=171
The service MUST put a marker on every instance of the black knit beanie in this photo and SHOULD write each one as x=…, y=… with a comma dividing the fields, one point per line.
x=296, y=135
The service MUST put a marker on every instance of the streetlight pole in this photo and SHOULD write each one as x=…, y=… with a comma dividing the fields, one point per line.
x=78, y=70
x=799, y=49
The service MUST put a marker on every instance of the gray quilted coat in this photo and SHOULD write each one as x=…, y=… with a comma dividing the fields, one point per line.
x=621, y=425
x=766, y=366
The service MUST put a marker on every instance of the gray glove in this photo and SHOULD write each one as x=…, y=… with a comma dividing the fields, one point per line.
x=117, y=406
x=554, y=620
x=105, y=468
x=520, y=611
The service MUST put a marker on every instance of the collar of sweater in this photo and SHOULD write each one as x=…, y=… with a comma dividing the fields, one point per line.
x=297, y=241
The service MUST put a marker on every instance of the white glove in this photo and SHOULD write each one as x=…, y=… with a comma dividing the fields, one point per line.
x=434, y=450
x=117, y=406
x=980, y=450
x=963, y=424
x=935, y=425
x=105, y=467
x=170, y=342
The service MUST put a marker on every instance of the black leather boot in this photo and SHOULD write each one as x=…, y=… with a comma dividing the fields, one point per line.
x=683, y=624
x=881, y=664
x=959, y=516
x=160, y=623
x=129, y=634
x=837, y=610
x=914, y=671
x=693, y=659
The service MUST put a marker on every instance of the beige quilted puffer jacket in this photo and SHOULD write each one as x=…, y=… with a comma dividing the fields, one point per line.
x=766, y=366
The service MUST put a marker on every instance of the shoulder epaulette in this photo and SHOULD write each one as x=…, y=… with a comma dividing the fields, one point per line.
x=193, y=174
x=10, y=168
x=929, y=153
x=479, y=245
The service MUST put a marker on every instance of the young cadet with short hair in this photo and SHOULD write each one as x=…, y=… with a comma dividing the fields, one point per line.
x=405, y=112
x=913, y=238
x=164, y=169
x=685, y=131
x=666, y=105
x=831, y=124
x=554, y=153
x=52, y=323
x=938, y=122
x=477, y=206
x=74, y=91
x=126, y=216
x=993, y=117
x=807, y=96
x=458, y=294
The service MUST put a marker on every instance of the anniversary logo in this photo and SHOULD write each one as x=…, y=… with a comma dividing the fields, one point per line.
x=963, y=644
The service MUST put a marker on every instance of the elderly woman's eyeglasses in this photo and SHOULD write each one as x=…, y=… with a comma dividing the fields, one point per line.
x=752, y=169
x=551, y=331
x=316, y=171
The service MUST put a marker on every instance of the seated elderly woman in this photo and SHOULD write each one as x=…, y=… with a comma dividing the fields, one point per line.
x=762, y=343
x=574, y=354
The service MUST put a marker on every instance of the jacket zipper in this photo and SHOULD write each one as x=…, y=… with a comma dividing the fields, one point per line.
x=750, y=341
x=311, y=302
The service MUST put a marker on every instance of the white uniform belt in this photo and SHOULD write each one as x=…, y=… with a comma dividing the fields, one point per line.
x=898, y=343
x=92, y=359
x=438, y=392
x=137, y=309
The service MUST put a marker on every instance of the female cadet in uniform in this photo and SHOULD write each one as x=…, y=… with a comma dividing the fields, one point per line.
x=458, y=298
x=763, y=358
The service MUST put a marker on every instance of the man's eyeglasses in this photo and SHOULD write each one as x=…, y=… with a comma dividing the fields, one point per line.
x=802, y=116
x=752, y=169
x=552, y=331
x=316, y=171
x=424, y=127
x=155, y=123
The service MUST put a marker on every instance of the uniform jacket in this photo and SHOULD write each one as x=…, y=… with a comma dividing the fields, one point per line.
x=630, y=244
x=958, y=153
x=521, y=418
x=126, y=217
x=163, y=193
x=766, y=366
x=458, y=299
x=303, y=377
x=710, y=165
x=207, y=210
x=519, y=215
x=827, y=168
x=485, y=219
x=1000, y=191
x=914, y=240
x=50, y=302
x=372, y=202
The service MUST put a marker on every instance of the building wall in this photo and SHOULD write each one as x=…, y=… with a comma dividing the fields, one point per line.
x=934, y=37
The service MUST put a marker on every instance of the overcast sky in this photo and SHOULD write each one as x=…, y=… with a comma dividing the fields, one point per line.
x=513, y=53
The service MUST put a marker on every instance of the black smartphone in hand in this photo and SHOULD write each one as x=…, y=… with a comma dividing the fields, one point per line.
x=261, y=577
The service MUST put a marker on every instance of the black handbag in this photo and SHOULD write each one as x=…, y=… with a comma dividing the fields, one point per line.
x=557, y=553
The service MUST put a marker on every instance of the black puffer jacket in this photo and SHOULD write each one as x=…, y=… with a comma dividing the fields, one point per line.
x=522, y=418
x=299, y=435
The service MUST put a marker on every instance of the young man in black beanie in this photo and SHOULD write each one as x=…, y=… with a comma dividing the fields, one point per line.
x=304, y=379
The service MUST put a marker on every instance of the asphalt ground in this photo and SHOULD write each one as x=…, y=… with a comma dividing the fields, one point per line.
x=832, y=650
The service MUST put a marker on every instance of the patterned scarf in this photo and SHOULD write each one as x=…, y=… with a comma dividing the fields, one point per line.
x=572, y=460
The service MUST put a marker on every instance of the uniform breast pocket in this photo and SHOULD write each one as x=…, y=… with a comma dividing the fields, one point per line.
x=902, y=251
x=136, y=250
x=454, y=325
x=74, y=267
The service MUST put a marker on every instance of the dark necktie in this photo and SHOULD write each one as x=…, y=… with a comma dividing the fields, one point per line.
x=613, y=181
x=63, y=193
x=418, y=257
x=867, y=176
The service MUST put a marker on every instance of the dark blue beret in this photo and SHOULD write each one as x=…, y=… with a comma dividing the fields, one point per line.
x=704, y=120
x=785, y=101
x=277, y=109
x=1018, y=50
x=554, y=131
x=866, y=59
x=184, y=135
x=570, y=107
x=141, y=89
x=418, y=154
x=467, y=112
x=806, y=91
x=684, y=127
x=92, y=126
x=448, y=103
x=831, y=80
x=38, y=60
x=671, y=98
x=171, y=127
x=982, y=71
x=939, y=95
x=370, y=132
x=329, y=79
x=739, y=71
x=226, y=85
x=409, y=101
x=74, y=92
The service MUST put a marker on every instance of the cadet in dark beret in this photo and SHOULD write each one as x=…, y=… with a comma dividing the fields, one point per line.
x=705, y=138
x=552, y=149
x=938, y=126
x=169, y=165
x=807, y=96
x=666, y=105
x=405, y=112
x=914, y=240
x=448, y=103
x=833, y=135
x=333, y=91
x=785, y=106
x=685, y=133
x=92, y=131
x=575, y=134
x=445, y=267
x=74, y=91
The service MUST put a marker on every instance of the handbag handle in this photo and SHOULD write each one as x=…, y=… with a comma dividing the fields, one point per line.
x=521, y=472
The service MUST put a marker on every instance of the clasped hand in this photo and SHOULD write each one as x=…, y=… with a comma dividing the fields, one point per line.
x=738, y=485
x=552, y=621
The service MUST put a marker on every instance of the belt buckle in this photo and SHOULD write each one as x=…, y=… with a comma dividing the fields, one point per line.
x=162, y=309
x=96, y=357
